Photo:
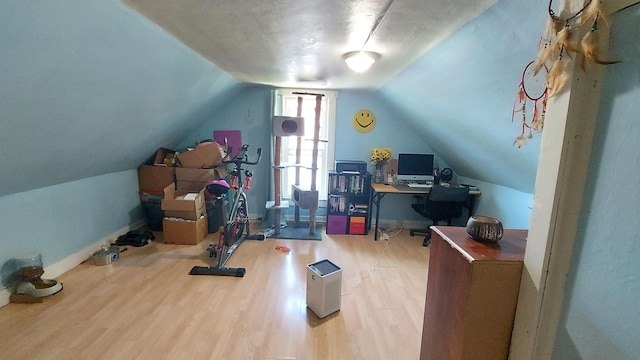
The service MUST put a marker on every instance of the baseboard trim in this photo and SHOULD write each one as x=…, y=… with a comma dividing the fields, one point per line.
x=56, y=269
x=397, y=224
x=384, y=223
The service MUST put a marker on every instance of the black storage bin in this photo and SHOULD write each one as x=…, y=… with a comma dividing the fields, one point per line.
x=215, y=213
x=153, y=208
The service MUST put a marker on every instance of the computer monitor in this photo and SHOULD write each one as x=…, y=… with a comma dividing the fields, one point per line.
x=415, y=167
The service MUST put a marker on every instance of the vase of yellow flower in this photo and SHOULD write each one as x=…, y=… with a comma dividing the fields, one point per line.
x=379, y=157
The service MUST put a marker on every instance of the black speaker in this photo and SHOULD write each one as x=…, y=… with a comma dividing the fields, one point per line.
x=446, y=174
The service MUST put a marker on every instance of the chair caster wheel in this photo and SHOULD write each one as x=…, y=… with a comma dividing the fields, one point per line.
x=412, y=232
x=426, y=242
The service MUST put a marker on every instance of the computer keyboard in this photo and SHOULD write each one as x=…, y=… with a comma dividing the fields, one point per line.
x=416, y=185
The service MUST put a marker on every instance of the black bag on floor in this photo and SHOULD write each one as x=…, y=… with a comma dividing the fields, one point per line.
x=135, y=238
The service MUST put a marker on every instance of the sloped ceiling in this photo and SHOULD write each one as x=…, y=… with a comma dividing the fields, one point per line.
x=459, y=96
x=90, y=88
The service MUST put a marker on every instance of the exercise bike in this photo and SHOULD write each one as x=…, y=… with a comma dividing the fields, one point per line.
x=236, y=226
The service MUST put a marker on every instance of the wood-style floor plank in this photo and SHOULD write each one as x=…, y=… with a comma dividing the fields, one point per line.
x=146, y=306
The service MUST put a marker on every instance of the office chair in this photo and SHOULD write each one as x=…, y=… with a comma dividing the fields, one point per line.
x=442, y=203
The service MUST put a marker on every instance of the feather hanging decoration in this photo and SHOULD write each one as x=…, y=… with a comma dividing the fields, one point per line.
x=547, y=49
x=565, y=41
x=520, y=140
x=556, y=24
x=519, y=105
x=559, y=38
x=521, y=100
x=557, y=77
x=590, y=46
x=538, y=123
x=544, y=55
x=538, y=118
x=593, y=12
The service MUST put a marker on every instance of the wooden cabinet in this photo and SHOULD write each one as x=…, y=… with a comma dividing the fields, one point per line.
x=348, y=203
x=472, y=292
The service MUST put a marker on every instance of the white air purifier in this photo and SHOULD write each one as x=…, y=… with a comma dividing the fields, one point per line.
x=324, y=287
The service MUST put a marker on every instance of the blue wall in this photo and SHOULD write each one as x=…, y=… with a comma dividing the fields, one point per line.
x=511, y=206
x=601, y=310
x=59, y=220
x=390, y=131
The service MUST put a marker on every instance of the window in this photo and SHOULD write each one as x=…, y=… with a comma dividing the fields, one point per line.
x=286, y=103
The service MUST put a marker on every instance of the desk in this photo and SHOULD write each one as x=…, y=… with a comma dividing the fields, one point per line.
x=380, y=190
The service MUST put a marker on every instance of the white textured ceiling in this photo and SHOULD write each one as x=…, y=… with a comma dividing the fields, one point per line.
x=300, y=43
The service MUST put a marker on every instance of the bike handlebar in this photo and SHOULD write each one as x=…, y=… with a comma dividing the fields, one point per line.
x=242, y=157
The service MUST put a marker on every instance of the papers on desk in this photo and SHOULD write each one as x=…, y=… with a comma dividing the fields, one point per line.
x=426, y=187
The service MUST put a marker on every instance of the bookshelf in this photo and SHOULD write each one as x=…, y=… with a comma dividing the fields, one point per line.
x=348, y=203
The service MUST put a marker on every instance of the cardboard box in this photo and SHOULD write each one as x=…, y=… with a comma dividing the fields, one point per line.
x=164, y=157
x=182, y=204
x=205, y=155
x=153, y=179
x=188, y=179
x=184, y=232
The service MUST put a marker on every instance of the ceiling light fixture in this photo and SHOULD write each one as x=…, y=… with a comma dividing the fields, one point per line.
x=361, y=61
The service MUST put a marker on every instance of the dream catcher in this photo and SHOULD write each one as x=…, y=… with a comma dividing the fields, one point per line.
x=558, y=46
x=531, y=99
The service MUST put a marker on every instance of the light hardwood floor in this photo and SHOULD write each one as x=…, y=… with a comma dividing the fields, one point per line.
x=146, y=306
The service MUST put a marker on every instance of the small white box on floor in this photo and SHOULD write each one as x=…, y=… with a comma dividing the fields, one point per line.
x=324, y=287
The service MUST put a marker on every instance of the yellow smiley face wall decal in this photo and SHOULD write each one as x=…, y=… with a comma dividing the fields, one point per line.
x=364, y=121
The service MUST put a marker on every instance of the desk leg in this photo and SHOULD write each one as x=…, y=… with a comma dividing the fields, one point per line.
x=472, y=204
x=375, y=199
x=372, y=194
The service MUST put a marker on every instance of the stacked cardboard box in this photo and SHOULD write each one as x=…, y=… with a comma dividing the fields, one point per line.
x=195, y=168
x=188, y=179
x=186, y=172
x=185, y=220
x=205, y=155
x=154, y=177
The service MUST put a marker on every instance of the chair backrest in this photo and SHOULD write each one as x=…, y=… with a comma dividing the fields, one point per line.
x=445, y=203
x=448, y=194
